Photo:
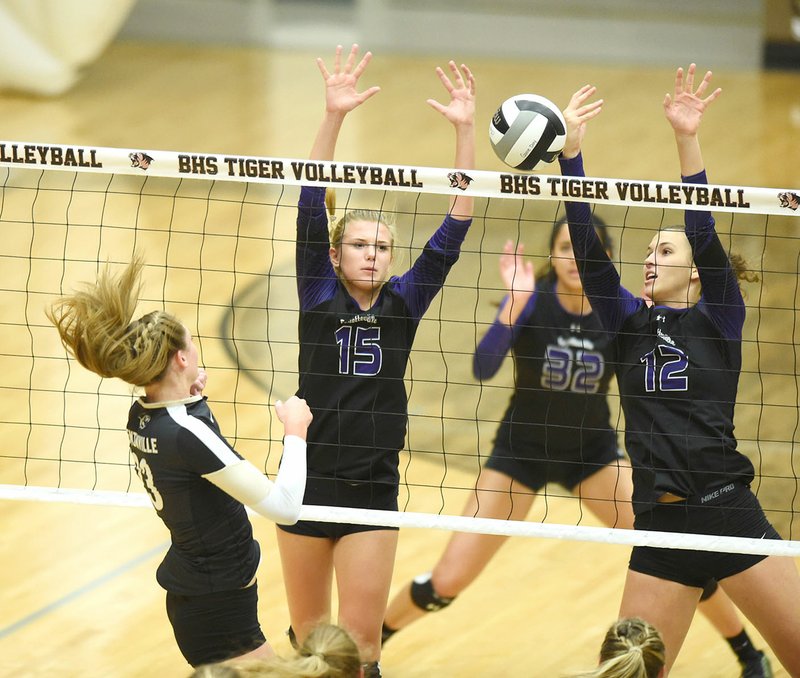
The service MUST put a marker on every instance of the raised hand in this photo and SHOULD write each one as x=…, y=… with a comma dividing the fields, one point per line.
x=684, y=109
x=200, y=383
x=295, y=416
x=341, y=95
x=516, y=273
x=576, y=115
x=461, y=108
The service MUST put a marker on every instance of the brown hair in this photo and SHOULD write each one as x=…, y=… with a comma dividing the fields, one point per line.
x=600, y=226
x=738, y=263
x=95, y=327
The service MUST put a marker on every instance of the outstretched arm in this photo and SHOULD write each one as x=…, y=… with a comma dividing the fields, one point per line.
x=341, y=97
x=721, y=298
x=684, y=110
x=315, y=275
x=520, y=281
x=420, y=284
x=601, y=281
x=280, y=500
x=460, y=112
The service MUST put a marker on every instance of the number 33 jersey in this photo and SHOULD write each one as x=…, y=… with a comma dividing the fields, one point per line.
x=174, y=444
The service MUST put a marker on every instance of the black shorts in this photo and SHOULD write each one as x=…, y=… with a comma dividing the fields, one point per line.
x=213, y=627
x=733, y=513
x=534, y=466
x=381, y=496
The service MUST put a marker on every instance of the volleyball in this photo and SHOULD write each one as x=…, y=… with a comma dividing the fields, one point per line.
x=527, y=129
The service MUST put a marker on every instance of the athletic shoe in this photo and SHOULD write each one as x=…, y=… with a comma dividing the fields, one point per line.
x=759, y=667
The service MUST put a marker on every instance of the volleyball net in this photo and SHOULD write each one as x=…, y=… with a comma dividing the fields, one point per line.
x=218, y=235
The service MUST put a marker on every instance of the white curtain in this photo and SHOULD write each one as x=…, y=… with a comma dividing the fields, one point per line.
x=45, y=43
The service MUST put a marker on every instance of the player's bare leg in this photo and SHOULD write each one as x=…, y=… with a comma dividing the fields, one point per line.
x=467, y=553
x=363, y=562
x=667, y=605
x=307, y=576
x=769, y=596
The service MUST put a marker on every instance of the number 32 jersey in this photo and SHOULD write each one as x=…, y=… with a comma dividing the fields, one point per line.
x=563, y=365
x=352, y=362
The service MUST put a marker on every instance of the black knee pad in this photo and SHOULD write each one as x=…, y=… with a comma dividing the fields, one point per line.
x=386, y=633
x=424, y=597
x=709, y=589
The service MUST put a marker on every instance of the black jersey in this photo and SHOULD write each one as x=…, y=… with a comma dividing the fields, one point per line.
x=174, y=445
x=352, y=363
x=677, y=369
x=562, y=369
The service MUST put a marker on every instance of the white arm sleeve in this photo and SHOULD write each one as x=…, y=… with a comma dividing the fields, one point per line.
x=279, y=501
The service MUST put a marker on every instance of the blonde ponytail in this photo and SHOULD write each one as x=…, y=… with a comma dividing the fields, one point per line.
x=95, y=325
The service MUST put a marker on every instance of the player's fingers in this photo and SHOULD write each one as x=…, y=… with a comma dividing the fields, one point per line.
x=712, y=96
x=362, y=64
x=351, y=59
x=445, y=80
x=704, y=83
x=678, y=81
x=337, y=60
x=585, y=92
x=457, y=77
x=321, y=65
x=690, y=78
x=436, y=105
x=470, y=78
x=367, y=93
x=590, y=110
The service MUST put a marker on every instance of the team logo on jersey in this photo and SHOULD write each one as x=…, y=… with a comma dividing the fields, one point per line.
x=665, y=337
x=144, y=420
x=459, y=180
x=789, y=200
x=575, y=342
x=140, y=159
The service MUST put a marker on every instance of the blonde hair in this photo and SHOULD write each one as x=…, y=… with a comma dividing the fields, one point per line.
x=328, y=652
x=95, y=325
x=632, y=648
x=336, y=232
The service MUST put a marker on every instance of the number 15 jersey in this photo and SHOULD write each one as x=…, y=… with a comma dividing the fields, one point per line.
x=352, y=362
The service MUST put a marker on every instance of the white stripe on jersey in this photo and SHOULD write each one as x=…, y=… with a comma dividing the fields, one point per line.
x=203, y=433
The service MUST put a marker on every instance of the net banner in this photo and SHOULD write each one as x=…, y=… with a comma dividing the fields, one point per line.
x=479, y=183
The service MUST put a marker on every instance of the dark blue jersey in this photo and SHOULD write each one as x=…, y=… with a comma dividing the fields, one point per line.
x=174, y=445
x=677, y=369
x=352, y=362
x=562, y=369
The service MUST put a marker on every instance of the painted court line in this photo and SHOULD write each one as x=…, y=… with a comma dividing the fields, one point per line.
x=86, y=588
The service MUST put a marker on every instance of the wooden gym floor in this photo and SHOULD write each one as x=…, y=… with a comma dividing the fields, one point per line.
x=79, y=596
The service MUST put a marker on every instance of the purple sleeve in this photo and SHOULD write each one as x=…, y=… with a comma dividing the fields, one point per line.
x=601, y=281
x=497, y=342
x=421, y=283
x=316, y=278
x=721, y=299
